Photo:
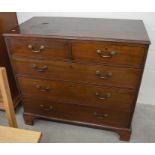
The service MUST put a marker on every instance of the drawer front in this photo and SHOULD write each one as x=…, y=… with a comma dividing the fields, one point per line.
x=87, y=95
x=76, y=113
x=39, y=48
x=94, y=74
x=108, y=54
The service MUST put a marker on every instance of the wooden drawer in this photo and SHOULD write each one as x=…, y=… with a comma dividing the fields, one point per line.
x=87, y=95
x=76, y=113
x=107, y=53
x=39, y=48
x=94, y=74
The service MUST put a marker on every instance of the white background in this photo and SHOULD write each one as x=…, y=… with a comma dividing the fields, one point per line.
x=147, y=90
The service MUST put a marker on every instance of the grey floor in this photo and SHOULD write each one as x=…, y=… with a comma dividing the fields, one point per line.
x=143, y=127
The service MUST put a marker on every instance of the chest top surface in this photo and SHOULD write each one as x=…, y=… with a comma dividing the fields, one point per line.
x=84, y=28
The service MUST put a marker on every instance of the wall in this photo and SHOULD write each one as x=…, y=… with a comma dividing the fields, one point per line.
x=147, y=90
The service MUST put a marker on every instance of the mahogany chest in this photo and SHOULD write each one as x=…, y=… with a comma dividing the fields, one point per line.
x=79, y=70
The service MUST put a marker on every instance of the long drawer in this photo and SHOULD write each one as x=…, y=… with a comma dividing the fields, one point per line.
x=87, y=95
x=41, y=48
x=108, y=53
x=76, y=113
x=94, y=74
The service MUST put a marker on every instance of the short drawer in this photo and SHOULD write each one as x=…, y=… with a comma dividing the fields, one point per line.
x=41, y=48
x=94, y=74
x=76, y=113
x=107, y=53
x=87, y=95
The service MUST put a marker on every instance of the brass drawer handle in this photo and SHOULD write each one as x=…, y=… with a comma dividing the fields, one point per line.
x=106, y=54
x=100, y=116
x=46, y=108
x=106, y=76
x=103, y=97
x=42, y=47
x=42, y=89
x=39, y=69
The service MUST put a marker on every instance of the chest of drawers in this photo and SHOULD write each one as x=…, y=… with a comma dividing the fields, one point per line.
x=80, y=71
